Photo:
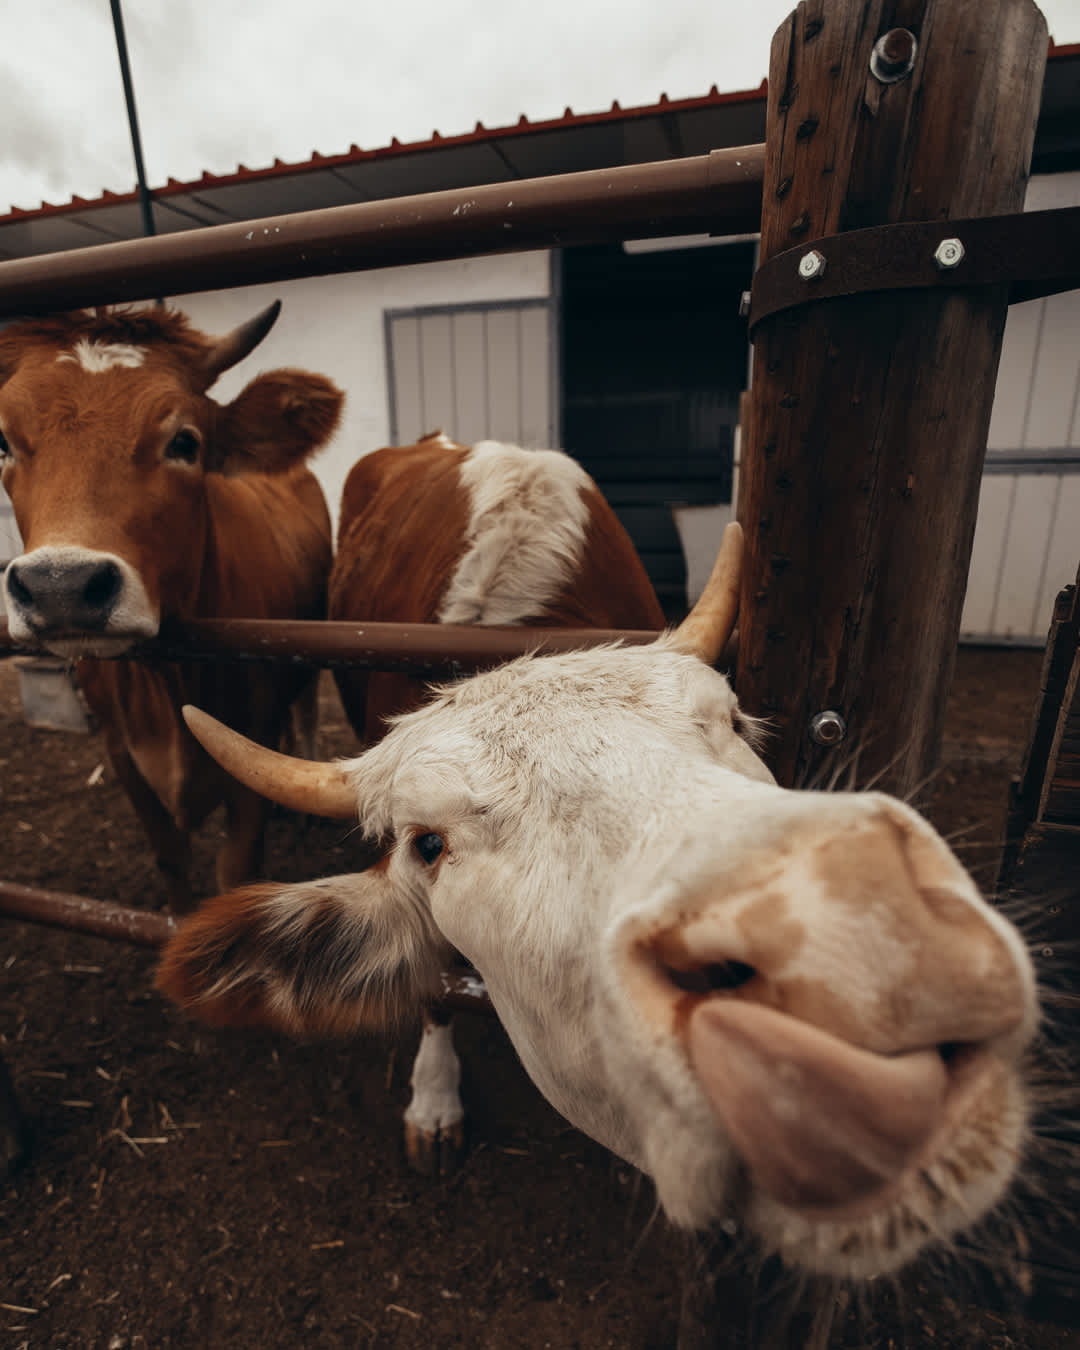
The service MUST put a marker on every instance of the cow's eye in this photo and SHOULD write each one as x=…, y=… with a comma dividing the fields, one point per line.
x=184, y=446
x=429, y=846
x=5, y=449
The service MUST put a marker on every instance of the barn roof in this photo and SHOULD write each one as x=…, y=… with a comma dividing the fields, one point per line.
x=667, y=129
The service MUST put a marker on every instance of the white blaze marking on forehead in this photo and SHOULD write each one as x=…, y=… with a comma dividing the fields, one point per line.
x=526, y=534
x=95, y=357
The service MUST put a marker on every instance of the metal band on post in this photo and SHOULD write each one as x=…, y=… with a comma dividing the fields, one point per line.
x=1033, y=252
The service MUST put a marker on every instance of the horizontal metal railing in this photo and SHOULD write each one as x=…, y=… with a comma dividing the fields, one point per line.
x=416, y=648
x=718, y=193
x=462, y=990
x=422, y=649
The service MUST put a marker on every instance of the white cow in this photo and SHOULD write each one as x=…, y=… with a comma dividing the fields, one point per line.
x=790, y=1008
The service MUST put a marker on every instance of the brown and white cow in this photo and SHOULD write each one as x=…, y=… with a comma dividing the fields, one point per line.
x=792, y=1009
x=438, y=532
x=140, y=498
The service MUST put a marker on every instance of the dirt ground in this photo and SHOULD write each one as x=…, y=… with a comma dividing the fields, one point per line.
x=190, y=1188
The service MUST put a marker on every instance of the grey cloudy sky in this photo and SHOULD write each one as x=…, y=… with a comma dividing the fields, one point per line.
x=222, y=82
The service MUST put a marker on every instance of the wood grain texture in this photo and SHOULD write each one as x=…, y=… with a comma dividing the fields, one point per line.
x=869, y=414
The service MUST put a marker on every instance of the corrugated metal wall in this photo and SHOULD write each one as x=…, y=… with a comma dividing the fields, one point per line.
x=1027, y=541
x=474, y=372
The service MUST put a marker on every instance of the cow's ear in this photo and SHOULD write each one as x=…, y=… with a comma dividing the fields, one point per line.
x=276, y=421
x=320, y=958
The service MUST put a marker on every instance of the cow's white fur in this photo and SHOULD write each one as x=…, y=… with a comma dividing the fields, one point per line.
x=593, y=801
x=525, y=536
x=583, y=798
x=97, y=357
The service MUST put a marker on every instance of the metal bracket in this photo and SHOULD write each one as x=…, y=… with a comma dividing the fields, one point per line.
x=1033, y=253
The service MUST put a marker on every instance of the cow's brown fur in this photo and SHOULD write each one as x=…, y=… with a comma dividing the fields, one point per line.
x=222, y=539
x=402, y=532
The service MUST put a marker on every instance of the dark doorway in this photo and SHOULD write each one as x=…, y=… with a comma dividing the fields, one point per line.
x=654, y=358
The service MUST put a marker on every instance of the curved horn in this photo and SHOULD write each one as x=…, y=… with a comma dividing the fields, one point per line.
x=709, y=624
x=226, y=351
x=318, y=789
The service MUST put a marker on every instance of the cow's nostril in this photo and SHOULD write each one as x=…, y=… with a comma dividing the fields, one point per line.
x=956, y=1053
x=103, y=587
x=17, y=588
x=713, y=978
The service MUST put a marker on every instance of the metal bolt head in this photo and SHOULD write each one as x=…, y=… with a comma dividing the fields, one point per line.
x=893, y=56
x=828, y=727
x=949, y=253
x=811, y=265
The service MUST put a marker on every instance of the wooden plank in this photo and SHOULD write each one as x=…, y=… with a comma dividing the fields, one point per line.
x=869, y=424
x=1061, y=649
x=470, y=378
x=1060, y=802
x=437, y=373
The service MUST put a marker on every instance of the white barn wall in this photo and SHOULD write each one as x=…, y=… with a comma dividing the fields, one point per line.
x=1027, y=539
x=335, y=325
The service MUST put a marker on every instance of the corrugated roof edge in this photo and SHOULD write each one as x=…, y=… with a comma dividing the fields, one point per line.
x=354, y=155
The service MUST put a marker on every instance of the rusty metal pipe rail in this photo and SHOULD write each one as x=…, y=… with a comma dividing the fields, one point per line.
x=717, y=193
x=76, y=913
x=426, y=649
x=462, y=991
x=423, y=649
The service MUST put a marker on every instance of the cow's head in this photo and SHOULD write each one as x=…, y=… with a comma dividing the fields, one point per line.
x=107, y=442
x=791, y=1008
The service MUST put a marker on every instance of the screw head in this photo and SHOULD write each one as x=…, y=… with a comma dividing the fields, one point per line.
x=811, y=265
x=1047, y=951
x=828, y=727
x=949, y=253
x=893, y=56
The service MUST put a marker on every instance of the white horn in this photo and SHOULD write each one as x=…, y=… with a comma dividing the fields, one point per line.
x=223, y=354
x=706, y=629
x=318, y=789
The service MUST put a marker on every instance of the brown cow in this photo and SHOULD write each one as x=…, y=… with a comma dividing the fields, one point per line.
x=440, y=533
x=140, y=498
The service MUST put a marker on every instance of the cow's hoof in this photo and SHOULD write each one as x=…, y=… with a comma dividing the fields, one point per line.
x=435, y=1153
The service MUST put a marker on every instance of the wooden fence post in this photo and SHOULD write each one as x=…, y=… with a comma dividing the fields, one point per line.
x=870, y=412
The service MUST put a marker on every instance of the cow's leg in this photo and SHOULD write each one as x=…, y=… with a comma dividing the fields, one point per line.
x=14, y=1137
x=352, y=686
x=170, y=844
x=240, y=858
x=302, y=731
x=435, y=1118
